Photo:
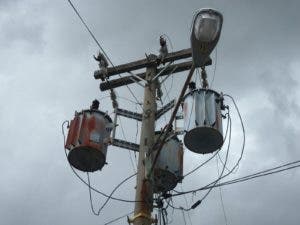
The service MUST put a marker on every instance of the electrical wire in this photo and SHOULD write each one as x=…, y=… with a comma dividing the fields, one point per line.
x=97, y=42
x=228, y=146
x=182, y=211
x=243, y=130
x=88, y=29
x=129, y=100
x=186, y=203
x=108, y=198
x=118, y=218
x=274, y=170
x=214, y=182
x=270, y=171
x=243, y=144
x=221, y=196
x=226, y=168
x=217, y=152
x=245, y=178
x=82, y=180
x=226, y=158
x=129, y=151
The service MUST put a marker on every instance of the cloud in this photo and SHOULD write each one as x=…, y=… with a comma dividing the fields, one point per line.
x=46, y=73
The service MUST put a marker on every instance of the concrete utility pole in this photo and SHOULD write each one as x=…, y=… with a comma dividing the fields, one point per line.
x=144, y=188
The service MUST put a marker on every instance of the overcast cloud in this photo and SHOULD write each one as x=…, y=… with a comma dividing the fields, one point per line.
x=46, y=73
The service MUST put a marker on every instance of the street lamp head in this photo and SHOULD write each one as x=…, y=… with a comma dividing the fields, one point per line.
x=205, y=34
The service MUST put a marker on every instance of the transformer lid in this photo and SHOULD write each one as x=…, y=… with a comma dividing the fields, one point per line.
x=99, y=112
x=200, y=90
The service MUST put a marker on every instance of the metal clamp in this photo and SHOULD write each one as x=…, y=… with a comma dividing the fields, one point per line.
x=142, y=215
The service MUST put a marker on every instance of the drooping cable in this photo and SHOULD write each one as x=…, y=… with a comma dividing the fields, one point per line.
x=243, y=144
x=220, y=192
x=82, y=180
x=221, y=160
x=202, y=164
x=186, y=203
x=243, y=130
x=183, y=216
x=214, y=182
x=221, y=177
x=223, y=169
x=109, y=197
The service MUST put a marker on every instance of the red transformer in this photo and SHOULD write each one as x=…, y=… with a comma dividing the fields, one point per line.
x=88, y=138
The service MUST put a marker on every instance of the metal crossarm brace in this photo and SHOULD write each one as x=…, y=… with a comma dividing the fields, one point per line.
x=129, y=114
x=125, y=144
x=164, y=109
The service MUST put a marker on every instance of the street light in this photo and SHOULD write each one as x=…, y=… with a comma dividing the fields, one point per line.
x=205, y=34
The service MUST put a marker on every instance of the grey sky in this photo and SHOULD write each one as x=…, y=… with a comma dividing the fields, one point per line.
x=46, y=73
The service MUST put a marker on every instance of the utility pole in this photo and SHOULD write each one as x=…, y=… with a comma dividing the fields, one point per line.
x=144, y=188
x=149, y=80
x=205, y=34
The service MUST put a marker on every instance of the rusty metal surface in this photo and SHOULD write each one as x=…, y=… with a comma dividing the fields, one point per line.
x=203, y=121
x=87, y=140
x=73, y=132
x=169, y=166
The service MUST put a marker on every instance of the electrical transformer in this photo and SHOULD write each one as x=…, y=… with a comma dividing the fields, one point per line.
x=88, y=138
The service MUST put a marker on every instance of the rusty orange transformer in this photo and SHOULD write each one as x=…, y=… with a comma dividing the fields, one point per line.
x=88, y=138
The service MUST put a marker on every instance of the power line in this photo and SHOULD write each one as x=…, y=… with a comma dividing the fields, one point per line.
x=202, y=164
x=182, y=211
x=186, y=206
x=221, y=196
x=109, y=197
x=220, y=176
x=274, y=170
x=243, y=130
x=129, y=151
x=264, y=173
x=88, y=29
x=241, y=155
x=241, y=179
x=95, y=39
x=242, y=150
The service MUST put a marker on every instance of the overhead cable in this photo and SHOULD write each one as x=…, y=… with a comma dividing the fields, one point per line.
x=109, y=197
x=202, y=164
x=95, y=39
x=211, y=185
x=221, y=196
x=129, y=151
x=241, y=154
x=274, y=170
